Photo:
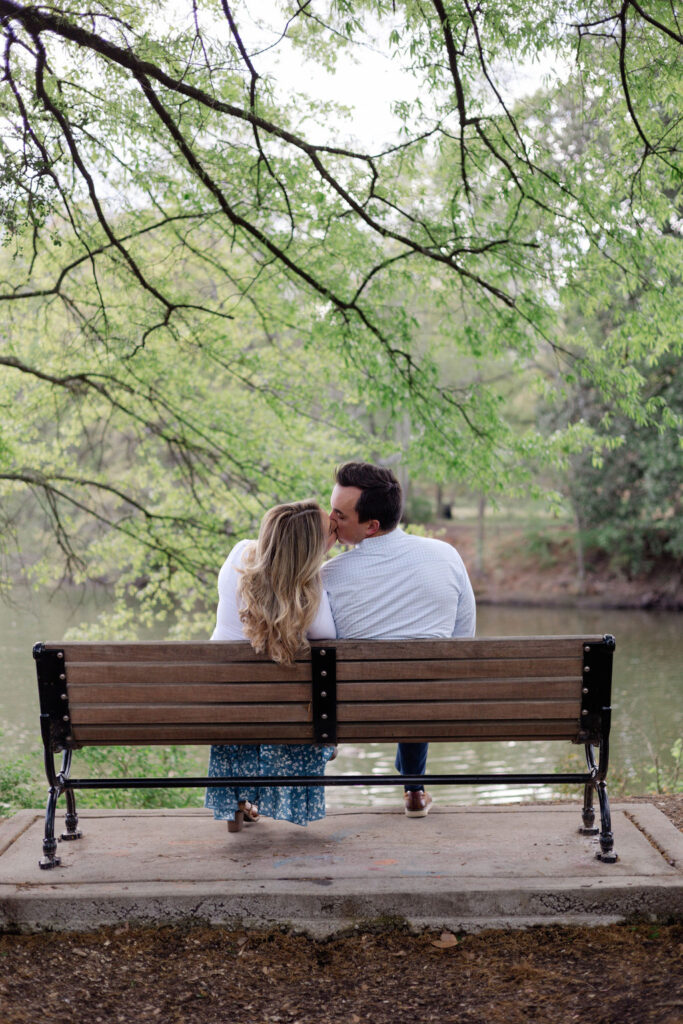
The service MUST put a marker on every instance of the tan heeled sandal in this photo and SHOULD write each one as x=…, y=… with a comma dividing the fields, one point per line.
x=250, y=811
x=246, y=813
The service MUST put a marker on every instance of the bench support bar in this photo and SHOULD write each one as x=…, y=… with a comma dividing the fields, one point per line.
x=500, y=779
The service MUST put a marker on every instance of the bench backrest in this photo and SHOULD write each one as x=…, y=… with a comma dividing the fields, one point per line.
x=480, y=689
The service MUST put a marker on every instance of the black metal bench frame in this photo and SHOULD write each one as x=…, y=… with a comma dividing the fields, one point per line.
x=593, y=730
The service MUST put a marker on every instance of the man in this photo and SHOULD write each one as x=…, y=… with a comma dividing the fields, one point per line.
x=391, y=585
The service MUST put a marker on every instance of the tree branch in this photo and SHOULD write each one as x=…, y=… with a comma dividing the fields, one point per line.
x=676, y=36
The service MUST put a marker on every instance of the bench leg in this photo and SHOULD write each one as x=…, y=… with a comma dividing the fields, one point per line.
x=71, y=818
x=50, y=859
x=606, y=854
x=589, y=828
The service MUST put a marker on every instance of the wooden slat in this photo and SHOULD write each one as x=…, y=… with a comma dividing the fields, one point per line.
x=481, y=647
x=466, y=668
x=347, y=650
x=463, y=689
x=207, y=652
x=242, y=693
x=193, y=693
x=207, y=732
x=91, y=714
x=185, y=672
x=377, y=732
x=456, y=711
x=236, y=672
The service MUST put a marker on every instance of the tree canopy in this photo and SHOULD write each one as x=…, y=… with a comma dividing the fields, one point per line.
x=212, y=291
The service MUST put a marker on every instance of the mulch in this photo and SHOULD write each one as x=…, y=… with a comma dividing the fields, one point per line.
x=605, y=975
x=621, y=974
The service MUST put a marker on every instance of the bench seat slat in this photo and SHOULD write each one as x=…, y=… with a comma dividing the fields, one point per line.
x=236, y=672
x=456, y=711
x=484, y=668
x=380, y=711
x=481, y=647
x=441, y=689
x=444, y=731
x=184, y=672
x=208, y=732
x=201, y=732
x=347, y=650
x=463, y=689
x=85, y=714
x=176, y=693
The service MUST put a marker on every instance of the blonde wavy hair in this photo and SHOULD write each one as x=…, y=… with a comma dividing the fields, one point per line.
x=280, y=588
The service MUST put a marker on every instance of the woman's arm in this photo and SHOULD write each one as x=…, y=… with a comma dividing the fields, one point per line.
x=228, y=625
x=322, y=627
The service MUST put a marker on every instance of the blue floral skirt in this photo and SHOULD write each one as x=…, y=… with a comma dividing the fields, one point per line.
x=298, y=804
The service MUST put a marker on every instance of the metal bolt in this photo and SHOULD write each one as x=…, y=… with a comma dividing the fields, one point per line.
x=586, y=668
x=323, y=653
x=584, y=712
x=587, y=649
x=324, y=735
x=64, y=696
x=323, y=673
x=323, y=716
x=62, y=676
x=323, y=693
x=585, y=690
x=60, y=654
x=68, y=739
x=65, y=718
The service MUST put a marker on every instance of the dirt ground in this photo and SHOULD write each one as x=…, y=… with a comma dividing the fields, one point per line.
x=622, y=974
x=522, y=569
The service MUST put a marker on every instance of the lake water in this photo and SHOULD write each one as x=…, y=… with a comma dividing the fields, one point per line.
x=647, y=697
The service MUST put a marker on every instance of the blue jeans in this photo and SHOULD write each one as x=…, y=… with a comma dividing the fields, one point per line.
x=411, y=759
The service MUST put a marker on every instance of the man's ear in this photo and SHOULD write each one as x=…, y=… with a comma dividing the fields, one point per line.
x=371, y=527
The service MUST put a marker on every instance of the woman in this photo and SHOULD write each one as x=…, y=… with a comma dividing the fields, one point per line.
x=270, y=593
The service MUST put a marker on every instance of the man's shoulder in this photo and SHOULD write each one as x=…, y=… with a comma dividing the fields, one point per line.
x=432, y=546
x=338, y=564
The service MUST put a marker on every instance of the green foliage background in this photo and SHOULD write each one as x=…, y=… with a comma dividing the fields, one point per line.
x=208, y=298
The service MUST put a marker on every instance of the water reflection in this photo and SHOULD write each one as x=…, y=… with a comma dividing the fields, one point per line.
x=647, y=694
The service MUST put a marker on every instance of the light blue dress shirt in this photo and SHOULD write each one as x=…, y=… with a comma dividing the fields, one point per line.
x=398, y=586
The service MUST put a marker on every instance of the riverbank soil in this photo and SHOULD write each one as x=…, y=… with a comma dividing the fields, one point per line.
x=522, y=564
x=622, y=974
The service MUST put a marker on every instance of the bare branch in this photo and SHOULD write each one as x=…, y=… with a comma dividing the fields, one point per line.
x=624, y=79
x=459, y=91
x=676, y=36
x=44, y=482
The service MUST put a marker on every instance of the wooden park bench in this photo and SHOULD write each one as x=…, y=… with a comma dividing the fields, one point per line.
x=509, y=688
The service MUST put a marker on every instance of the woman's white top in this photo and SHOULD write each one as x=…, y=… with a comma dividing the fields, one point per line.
x=228, y=625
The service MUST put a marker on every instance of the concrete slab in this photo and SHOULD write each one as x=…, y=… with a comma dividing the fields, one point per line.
x=462, y=868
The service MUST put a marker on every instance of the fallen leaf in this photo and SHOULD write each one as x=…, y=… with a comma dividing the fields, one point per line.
x=446, y=941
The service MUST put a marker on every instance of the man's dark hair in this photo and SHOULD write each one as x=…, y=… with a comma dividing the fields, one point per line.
x=381, y=496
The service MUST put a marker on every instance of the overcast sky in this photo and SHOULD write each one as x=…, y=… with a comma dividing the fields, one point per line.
x=366, y=80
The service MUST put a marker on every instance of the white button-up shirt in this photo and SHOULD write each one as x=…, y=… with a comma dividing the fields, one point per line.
x=398, y=586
